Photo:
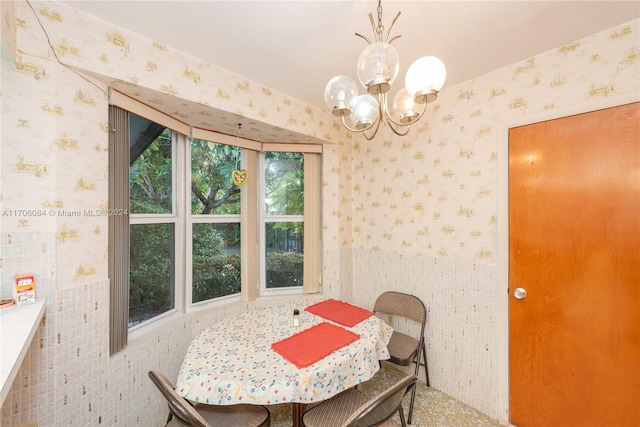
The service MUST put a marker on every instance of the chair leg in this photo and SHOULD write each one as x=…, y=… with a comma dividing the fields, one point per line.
x=426, y=368
x=401, y=412
x=413, y=398
x=421, y=349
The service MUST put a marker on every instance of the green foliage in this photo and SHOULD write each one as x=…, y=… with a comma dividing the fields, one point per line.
x=216, y=264
x=215, y=270
x=212, y=190
x=284, y=181
x=150, y=278
x=150, y=178
x=284, y=269
x=284, y=236
x=216, y=277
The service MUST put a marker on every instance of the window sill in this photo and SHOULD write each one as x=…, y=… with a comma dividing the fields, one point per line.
x=161, y=321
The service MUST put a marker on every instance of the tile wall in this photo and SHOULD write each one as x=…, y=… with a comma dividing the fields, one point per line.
x=461, y=317
x=68, y=377
x=35, y=383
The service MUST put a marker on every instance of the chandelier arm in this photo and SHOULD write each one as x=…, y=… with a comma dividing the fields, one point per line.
x=384, y=113
x=396, y=37
x=390, y=119
x=350, y=129
x=375, y=131
x=391, y=26
x=397, y=132
x=366, y=39
x=373, y=27
x=382, y=106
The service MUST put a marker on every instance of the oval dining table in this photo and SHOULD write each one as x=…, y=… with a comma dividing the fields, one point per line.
x=259, y=357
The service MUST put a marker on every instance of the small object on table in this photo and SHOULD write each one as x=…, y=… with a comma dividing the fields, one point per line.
x=296, y=317
x=24, y=291
x=5, y=303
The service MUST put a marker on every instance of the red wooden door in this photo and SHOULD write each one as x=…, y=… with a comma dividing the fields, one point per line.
x=574, y=247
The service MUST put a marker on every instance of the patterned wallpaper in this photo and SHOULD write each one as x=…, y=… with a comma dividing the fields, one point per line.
x=422, y=209
x=195, y=92
x=434, y=193
x=54, y=165
x=54, y=173
x=431, y=193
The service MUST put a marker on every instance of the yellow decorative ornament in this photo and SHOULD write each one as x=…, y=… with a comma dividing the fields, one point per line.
x=239, y=176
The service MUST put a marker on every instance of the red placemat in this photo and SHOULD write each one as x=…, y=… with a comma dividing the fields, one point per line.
x=307, y=347
x=340, y=312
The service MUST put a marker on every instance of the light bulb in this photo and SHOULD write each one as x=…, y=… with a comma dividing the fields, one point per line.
x=340, y=94
x=378, y=67
x=365, y=111
x=425, y=77
x=404, y=107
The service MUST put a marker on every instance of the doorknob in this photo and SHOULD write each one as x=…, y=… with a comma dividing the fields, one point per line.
x=519, y=293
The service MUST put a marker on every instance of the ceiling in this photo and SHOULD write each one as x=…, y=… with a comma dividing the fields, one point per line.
x=295, y=47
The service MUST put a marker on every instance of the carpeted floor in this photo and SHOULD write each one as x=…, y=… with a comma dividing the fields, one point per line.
x=432, y=408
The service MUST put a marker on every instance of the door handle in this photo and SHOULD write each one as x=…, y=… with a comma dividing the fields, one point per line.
x=519, y=293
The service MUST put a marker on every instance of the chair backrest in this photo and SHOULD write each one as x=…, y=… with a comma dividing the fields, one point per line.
x=401, y=304
x=383, y=406
x=178, y=405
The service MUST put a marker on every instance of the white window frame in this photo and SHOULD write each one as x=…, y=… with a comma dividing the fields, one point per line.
x=191, y=219
x=175, y=218
x=263, y=219
x=252, y=216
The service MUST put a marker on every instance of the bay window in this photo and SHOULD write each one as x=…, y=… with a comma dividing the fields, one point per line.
x=196, y=237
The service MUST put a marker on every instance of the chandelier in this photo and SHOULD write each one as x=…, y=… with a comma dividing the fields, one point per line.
x=377, y=69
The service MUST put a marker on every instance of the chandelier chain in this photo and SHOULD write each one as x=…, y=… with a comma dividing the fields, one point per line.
x=380, y=29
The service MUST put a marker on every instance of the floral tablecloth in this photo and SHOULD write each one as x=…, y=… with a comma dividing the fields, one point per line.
x=232, y=361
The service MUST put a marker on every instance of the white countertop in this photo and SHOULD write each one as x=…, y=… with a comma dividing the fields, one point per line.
x=18, y=325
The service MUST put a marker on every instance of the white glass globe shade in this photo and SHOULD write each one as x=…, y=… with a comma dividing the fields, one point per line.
x=340, y=94
x=378, y=65
x=425, y=75
x=365, y=111
x=404, y=108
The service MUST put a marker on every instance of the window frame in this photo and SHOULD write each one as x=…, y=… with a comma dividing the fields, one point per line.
x=175, y=218
x=252, y=221
x=263, y=219
x=191, y=219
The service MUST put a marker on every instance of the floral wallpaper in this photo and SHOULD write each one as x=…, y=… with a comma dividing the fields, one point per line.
x=434, y=192
x=57, y=148
x=416, y=214
x=424, y=208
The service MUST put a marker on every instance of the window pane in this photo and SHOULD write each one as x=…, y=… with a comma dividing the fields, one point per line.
x=284, y=183
x=152, y=271
x=212, y=189
x=285, y=254
x=150, y=174
x=216, y=260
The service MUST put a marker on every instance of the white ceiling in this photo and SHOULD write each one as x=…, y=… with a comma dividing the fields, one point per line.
x=295, y=47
